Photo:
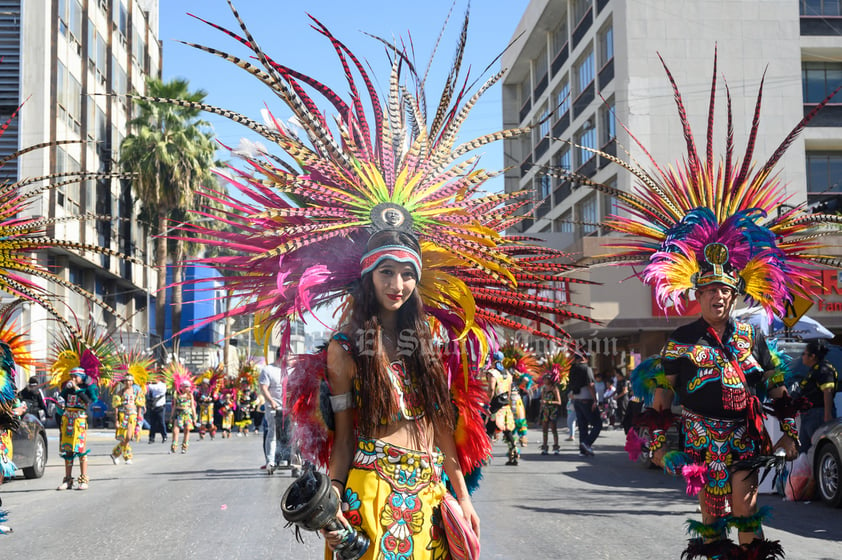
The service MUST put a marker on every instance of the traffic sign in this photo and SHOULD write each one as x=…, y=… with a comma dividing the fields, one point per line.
x=796, y=309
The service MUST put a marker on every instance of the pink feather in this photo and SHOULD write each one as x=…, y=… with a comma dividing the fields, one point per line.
x=634, y=445
x=90, y=363
x=695, y=476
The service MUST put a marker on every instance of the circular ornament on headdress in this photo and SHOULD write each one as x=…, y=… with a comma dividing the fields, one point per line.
x=716, y=253
x=388, y=215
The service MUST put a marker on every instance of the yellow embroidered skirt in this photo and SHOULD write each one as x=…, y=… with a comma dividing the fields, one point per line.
x=7, y=467
x=390, y=494
x=74, y=434
x=127, y=423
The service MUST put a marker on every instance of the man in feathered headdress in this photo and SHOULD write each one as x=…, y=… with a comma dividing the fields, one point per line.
x=717, y=228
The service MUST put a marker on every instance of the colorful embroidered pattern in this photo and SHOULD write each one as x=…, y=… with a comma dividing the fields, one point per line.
x=717, y=444
x=400, y=518
x=713, y=364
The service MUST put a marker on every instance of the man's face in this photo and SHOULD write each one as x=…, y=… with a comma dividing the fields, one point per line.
x=716, y=301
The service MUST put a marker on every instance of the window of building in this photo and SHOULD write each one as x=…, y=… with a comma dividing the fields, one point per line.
x=74, y=104
x=821, y=7
x=68, y=98
x=585, y=138
x=606, y=45
x=119, y=81
x=562, y=99
x=101, y=125
x=609, y=204
x=559, y=38
x=564, y=223
x=819, y=79
x=584, y=71
x=101, y=58
x=91, y=46
x=525, y=91
x=607, y=122
x=525, y=146
x=120, y=17
x=541, y=65
x=61, y=90
x=91, y=118
x=580, y=8
x=544, y=126
x=75, y=19
x=76, y=276
x=70, y=20
x=590, y=217
x=138, y=47
x=824, y=172
x=543, y=186
x=563, y=160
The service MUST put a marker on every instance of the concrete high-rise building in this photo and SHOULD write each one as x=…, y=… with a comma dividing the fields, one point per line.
x=72, y=62
x=581, y=69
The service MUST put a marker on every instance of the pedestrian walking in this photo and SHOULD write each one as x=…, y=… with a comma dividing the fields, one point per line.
x=278, y=434
x=156, y=402
x=583, y=394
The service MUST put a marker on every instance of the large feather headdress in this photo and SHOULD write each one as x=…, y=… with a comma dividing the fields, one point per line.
x=707, y=221
x=93, y=351
x=299, y=221
x=138, y=363
x=177, y=376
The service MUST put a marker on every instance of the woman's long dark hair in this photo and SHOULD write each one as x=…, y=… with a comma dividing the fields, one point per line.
x=374, y=389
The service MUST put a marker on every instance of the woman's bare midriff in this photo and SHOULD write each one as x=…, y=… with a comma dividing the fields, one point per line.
x=405, y=433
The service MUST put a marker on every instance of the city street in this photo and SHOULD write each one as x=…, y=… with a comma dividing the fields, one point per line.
x=215, y=502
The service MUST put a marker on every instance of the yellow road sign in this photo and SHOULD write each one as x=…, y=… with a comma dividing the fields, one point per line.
x=796, y=309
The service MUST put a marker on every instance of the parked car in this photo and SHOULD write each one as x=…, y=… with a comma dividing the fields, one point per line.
x=29, y=443
x=827, y=466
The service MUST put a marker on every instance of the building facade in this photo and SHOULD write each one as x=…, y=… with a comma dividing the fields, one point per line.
x=72, y=62
x=585, y=72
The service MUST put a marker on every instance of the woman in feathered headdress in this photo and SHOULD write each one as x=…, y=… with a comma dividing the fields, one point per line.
x=556, y=371
x=81, y=362
x=303, y=226
x=183, y=415
x=128, y=389
x=523, y=365
x=720, y=229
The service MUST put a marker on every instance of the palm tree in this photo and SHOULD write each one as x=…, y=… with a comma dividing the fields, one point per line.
x=171, y=154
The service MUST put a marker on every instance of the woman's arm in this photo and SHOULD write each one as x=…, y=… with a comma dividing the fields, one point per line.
x=556, y=397
x=445, y=442
x=340, y=374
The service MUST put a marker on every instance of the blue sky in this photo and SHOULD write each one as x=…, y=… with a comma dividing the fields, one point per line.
x=283, y=31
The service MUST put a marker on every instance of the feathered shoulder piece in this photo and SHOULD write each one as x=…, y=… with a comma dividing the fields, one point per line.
x=15, y=338
x=719, y=221
x=93, y=351
x=647, y=377
x=178, y=377
x=137, y=363
x=557, y=367
x=300, y=218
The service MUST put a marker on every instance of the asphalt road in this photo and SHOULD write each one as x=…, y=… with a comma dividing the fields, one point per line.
x=215, y=503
